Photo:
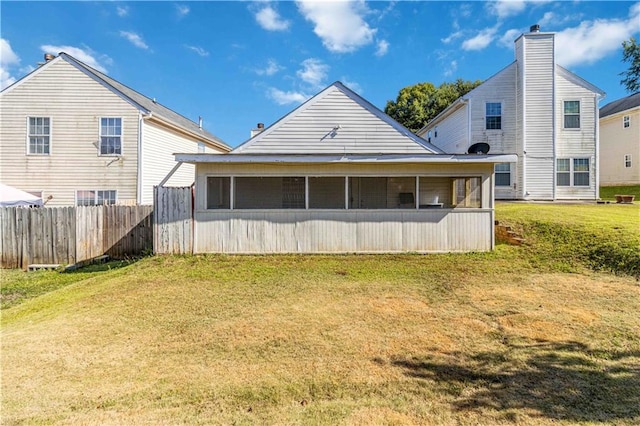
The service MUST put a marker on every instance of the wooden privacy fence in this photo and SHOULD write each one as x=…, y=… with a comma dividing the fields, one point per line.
x=68, y=235
x=173, y=219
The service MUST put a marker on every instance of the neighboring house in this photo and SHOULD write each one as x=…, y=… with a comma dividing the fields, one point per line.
x=339, y=175
x=620, y=142
x=535, y=109
x=72, y=134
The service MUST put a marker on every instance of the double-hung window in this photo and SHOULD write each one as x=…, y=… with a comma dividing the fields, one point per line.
x=110, y=136
x=95, y=198
x=493, y=114
x=571, y=114
x=503, y=174
x=573, y=172
x=626, y=122
x=39, y=135
x=627, y=161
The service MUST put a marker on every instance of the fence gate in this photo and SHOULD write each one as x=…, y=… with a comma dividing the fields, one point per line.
x=173, y=220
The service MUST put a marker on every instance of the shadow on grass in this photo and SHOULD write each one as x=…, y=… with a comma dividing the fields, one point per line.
x=565, y=381
x=104, y=266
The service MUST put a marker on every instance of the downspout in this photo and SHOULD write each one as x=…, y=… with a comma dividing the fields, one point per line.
x=469, y=141
x=524, y=122
x=140, y=163
x=554, y=144
x=597, y=137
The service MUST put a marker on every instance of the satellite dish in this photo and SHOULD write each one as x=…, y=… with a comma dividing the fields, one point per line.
x=479, y=148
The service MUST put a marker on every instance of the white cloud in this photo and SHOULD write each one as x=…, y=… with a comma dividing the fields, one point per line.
x=508, y=38
x=270, y=20
x=506, y=8
x=592, y=40
x=453, y=66
x=284, y=98
x=135, y=39
x=271, y=68
x=481, y=40
x=383, y=48
x=122, y=10
x=182, y=10
x=313, y=72
x=199, y=50
x=452, y=37
x=339, y=24
x=84, y=55
x=7, y=55
x=352, y=85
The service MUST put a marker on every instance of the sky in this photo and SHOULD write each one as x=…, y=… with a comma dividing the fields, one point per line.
x=237, y=63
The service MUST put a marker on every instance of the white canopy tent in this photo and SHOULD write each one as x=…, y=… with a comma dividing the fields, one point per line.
x=13, y=197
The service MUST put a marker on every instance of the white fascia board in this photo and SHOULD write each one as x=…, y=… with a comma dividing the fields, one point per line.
x=346, y=159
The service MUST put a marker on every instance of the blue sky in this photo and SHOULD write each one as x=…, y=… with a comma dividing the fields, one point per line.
x=240, y=63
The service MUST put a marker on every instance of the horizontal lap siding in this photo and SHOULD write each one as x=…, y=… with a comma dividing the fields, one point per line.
x=75, y=103
x=615, y=142
x=452, y=133
x=342, y=232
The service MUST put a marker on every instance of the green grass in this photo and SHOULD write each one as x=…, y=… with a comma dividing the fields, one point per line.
x=609, y=192
x=513, y=336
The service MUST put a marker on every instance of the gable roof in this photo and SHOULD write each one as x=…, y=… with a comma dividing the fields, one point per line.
x=144, y=104
x=624, y=104
x=336, y=121
x=576, y=79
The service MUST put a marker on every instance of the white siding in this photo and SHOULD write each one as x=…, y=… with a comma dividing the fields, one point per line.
x=452, y=133
x=158, y=146
x=616, y=142
x=310, y=131
x=75, y=103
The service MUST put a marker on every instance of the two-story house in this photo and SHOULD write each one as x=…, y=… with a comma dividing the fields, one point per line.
x=75, y=136
x=533, y=108
x=620, y=142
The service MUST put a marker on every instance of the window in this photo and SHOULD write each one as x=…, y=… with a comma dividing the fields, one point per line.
x=39, y=135
x=467, y=192
x=571, y=114
x=326, y=192
x=503, y=174
x=269, y=193
x=627, y=160
x=493, y=116
x=218, y=193
x=626, y=121
x=382, y=192
x=110, y=136
x=95, y=198
x=573, y=172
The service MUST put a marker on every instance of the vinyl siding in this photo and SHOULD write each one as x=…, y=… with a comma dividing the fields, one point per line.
x=74, y=102
x=453, y=132
x=615, y=142
x=158, y=146
x=310, y=131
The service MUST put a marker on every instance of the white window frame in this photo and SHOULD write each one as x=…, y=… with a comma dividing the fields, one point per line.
x=572, y=172
x=627, y=161
x=100, y=136
x=502, y=172
x=487, y=115
x=96, y=197
x=564, y=114
x=626, y=121
x=38, y=135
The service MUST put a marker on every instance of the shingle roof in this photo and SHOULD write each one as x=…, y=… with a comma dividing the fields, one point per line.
x=145, y=103
x=623, y=104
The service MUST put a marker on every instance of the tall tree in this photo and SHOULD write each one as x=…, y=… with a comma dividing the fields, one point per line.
x=631, y=54
x=417, y=104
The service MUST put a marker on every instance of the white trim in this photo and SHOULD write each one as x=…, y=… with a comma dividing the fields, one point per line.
x=100, y=154
x=28, y=140
x=140, y=171
x=624, y=161
x=628, y=121
x=346, y=159
x=564, y=114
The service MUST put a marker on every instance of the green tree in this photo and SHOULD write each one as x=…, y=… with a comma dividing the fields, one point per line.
x=417, y=104
x=631, y=54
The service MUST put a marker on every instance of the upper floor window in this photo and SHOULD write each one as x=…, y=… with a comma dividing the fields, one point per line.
x=627, y=160
x=95, y=198
x=626, y=121
x=39, y=135
x=110, y=136
x=493, y=116
x=571, y=114
x=503, y=174
x=573, y=172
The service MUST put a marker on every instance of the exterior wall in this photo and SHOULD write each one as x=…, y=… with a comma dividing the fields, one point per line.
x=309, y=131
x=453, y=132
x=340, y=230
x=537, y=60
x=576, y=143
x=616, y=142
x=75, y=103
x=158, y=146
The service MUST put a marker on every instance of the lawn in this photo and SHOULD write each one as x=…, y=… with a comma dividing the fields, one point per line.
x=483, y=338
x=609, y=192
